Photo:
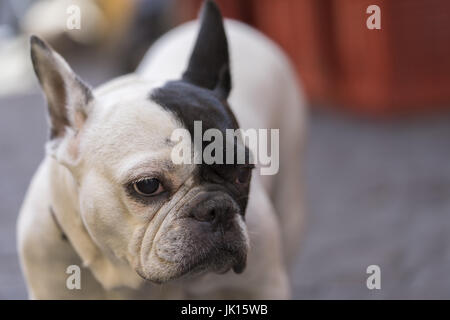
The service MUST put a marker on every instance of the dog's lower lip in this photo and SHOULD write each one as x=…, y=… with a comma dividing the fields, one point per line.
x=223, y=270
x=240, y=263
x=238, y=268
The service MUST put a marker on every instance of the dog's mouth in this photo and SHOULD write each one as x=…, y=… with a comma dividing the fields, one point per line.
x=220, y=262
x=177, y=256
x=224, y=261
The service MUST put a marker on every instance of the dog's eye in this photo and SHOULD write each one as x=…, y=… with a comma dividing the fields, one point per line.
x=243, y=175
x=148, y=187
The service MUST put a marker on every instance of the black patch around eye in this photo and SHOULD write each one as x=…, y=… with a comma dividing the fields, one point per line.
x=243, y=175
x=190, y=103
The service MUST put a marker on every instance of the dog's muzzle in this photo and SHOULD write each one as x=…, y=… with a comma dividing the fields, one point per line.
x=207, y=233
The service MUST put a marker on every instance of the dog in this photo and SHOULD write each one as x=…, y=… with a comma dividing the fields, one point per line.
x=108, y=199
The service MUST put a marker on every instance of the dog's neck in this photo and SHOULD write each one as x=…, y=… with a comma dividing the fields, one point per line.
x=64, y=195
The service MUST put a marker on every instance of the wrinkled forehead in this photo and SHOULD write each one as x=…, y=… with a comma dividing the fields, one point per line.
x=134, y=122
x=125, y=122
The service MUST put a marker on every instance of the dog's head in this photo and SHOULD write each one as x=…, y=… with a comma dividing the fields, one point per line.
x=167, y=220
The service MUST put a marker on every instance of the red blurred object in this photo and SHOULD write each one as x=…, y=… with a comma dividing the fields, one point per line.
x=403, y=68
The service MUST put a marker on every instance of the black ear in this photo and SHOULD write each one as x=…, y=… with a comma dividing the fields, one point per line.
x=209, y=62
x=68, y=97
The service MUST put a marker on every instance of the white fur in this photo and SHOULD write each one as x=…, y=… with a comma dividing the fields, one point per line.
x=265, y=95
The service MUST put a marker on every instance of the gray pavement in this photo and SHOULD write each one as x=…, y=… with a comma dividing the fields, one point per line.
x=378, y=193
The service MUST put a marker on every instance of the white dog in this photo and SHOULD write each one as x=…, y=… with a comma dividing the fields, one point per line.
x=108, y=197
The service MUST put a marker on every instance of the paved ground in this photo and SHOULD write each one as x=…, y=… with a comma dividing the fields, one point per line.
x=378, y=193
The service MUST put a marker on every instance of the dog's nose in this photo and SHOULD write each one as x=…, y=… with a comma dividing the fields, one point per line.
x=214, y=214
x=206, y=214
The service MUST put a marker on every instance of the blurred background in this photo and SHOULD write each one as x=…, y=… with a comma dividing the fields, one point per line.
x=377, y=158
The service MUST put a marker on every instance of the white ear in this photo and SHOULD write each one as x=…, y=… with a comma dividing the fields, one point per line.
x=68, y=97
